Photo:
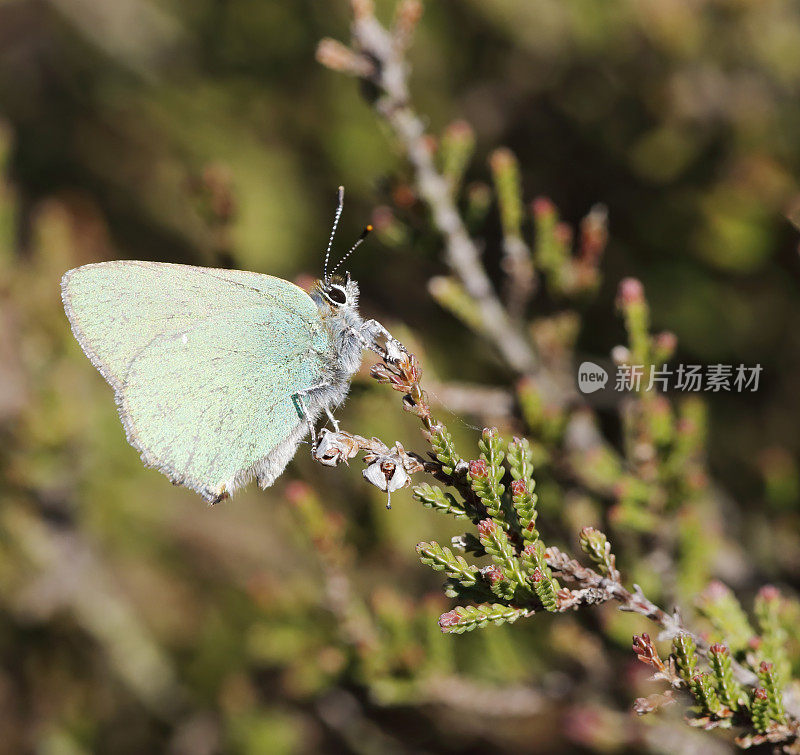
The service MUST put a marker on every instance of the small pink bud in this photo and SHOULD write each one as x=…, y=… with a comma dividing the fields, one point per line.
x=761, y=694
x=765, y=668
x=502, y=159
x=486, y=527
x=630, y=292
x=716, y=591
x=449, y=619
x=493, y=575
x=478, y=468
x=519, y=487
x=769, y=593
x=754, y=643
x=718, y=649
x=460, y=130
x=666, y=341
x=660, y=406
x=543, y=206
x=537, y=576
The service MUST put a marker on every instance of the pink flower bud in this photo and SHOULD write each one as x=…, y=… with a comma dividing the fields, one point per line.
x=769, y=593
x=519, y=487
x=493, y=575
x=666, y=341
x=502, y=159
x=630, y=292
x=449, y=619
x=715, y=591
x=461, y=130
x=478, y=468
x=543, y=206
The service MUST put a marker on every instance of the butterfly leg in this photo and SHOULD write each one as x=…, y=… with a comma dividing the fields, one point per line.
x=303, y=413
x=371, y=333
x=333, y=420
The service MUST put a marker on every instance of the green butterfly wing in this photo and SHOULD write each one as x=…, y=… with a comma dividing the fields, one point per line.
x=204, y=364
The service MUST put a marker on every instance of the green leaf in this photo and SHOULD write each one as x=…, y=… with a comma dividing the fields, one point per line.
x=456, y=149
x=594, y=544
x=466, y=618
x=443, y=559
x=496, y=543
x=706, y=696
x=719, y=605
x=685, y=653
x=434, y=497
x=769, y=682
x=728, y=689
x=444, y=449
x=545, y=585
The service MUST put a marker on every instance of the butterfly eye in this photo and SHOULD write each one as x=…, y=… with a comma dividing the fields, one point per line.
x=337, y=295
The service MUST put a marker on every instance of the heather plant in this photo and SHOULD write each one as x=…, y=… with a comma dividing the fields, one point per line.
x=663, y=499
x=302, y=619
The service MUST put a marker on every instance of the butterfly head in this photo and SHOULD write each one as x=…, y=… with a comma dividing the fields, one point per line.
x=339, y=293
x=337, y=301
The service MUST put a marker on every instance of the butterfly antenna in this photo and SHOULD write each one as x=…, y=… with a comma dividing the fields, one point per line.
x=355, y=246
x=339, y=208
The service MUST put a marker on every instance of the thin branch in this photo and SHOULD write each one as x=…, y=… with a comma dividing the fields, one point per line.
x=372, y=42
x=634, y=602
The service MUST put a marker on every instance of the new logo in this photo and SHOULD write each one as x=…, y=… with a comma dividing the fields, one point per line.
x=591, y=377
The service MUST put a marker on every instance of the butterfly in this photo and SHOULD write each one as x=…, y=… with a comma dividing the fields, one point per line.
x=218, y=374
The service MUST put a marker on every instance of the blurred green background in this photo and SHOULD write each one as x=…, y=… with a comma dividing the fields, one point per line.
x=133, y=618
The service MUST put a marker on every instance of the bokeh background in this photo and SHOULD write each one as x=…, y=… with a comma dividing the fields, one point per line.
x=132, y=617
